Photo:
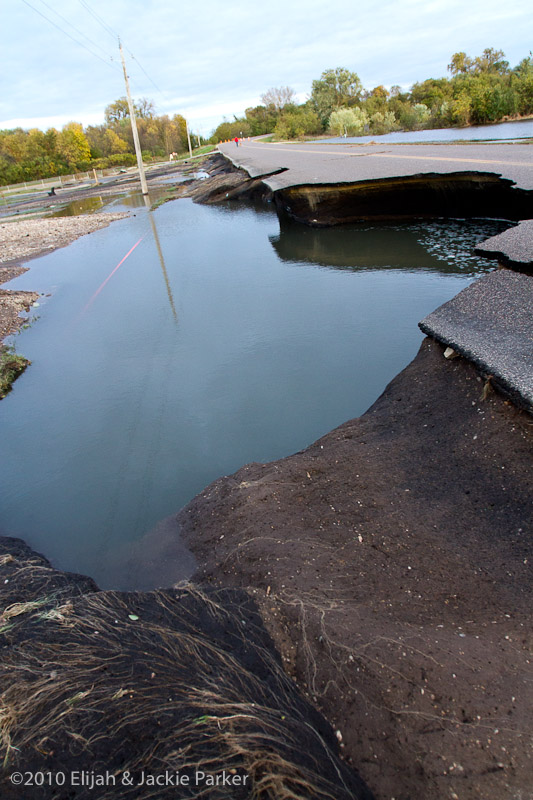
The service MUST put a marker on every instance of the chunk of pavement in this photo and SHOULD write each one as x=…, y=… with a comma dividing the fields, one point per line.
x=491, y=324
x=514, y=247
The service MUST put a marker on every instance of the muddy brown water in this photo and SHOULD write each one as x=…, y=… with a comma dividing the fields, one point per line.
x=223, y=338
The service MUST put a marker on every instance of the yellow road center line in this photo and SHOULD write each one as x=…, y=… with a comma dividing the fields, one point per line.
x=449, y=158
x=394, y=155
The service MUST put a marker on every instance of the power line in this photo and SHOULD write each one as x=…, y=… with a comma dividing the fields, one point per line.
x=99, y=19
x=143, y=70
x=74, y=27
x=113, y=66
x=115, y=35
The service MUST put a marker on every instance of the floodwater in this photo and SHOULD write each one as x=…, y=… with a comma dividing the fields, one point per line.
x=224, y=337
x=108, y=203
x=519, y=129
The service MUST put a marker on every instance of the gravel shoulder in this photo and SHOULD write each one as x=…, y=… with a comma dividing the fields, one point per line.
x=21, y=240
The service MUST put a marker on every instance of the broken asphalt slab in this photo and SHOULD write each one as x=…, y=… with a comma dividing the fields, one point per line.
x=491, y=324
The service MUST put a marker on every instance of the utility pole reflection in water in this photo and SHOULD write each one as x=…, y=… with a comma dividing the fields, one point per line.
x=148, y=204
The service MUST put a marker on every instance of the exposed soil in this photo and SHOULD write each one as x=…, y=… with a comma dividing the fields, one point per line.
x=391, y=561
x=12, y=304
x=181, y=682
x=226, y=182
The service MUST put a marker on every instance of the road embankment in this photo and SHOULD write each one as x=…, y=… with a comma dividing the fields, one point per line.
x=391, y=561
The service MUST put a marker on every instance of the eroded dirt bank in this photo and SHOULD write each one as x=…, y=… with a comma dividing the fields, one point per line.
x=461, y=194
x=147, y=686
x=392, y=563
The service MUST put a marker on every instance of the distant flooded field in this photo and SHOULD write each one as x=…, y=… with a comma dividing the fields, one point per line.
x=519, y=129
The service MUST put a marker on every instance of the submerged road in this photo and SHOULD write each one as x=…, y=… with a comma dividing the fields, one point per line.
x=325, y=163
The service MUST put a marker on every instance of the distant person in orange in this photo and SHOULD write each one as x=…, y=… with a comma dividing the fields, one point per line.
x=237, y=141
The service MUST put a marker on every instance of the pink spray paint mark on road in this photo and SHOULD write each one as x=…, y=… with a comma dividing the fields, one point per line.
x=95, y=295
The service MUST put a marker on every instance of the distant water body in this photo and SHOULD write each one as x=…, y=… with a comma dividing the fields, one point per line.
x=520, y=129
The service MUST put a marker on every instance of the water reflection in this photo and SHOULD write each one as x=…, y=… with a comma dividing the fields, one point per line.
x=148, y=204
x=443, y=246
x=125, y=416
x=87, y=205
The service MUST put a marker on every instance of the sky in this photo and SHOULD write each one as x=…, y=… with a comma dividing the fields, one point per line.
x=215, y=58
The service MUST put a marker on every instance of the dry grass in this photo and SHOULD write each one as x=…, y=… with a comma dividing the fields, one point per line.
x=179, y=681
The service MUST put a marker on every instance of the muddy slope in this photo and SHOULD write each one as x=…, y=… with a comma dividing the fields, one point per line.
x=181, y=681
x=392, y=563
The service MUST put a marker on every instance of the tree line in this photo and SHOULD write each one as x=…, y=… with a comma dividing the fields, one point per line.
x=27, y=155
x=478, y=90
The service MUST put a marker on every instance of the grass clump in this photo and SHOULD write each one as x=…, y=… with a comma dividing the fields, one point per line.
x=11, y=367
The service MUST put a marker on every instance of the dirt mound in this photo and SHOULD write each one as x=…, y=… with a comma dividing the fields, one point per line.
x=391, y=561
x=225, y=182
x=179, y=685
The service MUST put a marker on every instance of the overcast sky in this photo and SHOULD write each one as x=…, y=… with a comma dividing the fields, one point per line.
x=211, y=59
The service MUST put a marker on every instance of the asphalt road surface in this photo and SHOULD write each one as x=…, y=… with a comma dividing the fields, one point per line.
x=347, y=163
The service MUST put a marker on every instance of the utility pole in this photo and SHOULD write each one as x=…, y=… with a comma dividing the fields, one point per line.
x=188, y=138
x=142, y=176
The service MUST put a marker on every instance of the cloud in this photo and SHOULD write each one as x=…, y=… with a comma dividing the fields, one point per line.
x=216, y=59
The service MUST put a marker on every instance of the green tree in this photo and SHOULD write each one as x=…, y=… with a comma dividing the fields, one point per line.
x=262, y=119
x=461, y=108
x=229, y=130
x=460, y=64
x=491, y=61
x=336, y=88
x=296, y=123
x=351, y=121
x=413, y=118
x=382, y=122
x=432, y=92
x=522, y=83
x=376, y=100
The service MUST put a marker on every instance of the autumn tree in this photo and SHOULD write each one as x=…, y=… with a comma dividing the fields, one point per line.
x=73, y=146
x=460, y=64
x=117, y=111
